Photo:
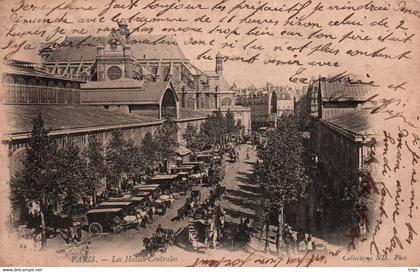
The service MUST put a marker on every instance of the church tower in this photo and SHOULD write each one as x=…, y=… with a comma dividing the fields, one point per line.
x=219, y=64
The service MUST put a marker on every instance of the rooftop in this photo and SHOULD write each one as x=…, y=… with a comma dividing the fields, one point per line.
x=345, y=91
x=132, y=91
x=59, y=118
x=25, y=68
x=185, y=113
x=359, y=122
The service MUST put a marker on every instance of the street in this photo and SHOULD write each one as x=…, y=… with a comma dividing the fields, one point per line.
x=241, y=201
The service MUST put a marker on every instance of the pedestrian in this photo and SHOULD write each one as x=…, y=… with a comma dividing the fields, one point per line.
x=308, y=242
x=87, y=250
x=300, y=237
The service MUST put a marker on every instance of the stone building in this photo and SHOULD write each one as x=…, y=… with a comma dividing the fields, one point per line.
x=263, y=108
x=331, y=98
x=31, y=90
x=284, y=103
x=338, y=120
x=145, y=58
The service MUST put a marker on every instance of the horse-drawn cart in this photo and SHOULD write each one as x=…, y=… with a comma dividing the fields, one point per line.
x=160, y=241
x=105, y=220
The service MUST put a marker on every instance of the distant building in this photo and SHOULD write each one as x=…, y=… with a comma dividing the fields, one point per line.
x=284, y=103
x=332, y=98
x=263, y=109
x=119, y=57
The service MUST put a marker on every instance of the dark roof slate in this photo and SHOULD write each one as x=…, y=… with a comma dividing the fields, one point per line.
x=59, y=117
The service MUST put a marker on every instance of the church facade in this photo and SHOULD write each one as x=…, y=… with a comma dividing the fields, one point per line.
x=123, y=59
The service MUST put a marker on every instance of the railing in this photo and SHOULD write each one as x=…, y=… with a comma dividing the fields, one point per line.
x=31, y=94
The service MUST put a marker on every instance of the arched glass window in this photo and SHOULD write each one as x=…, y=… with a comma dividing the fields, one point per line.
x=169, y=104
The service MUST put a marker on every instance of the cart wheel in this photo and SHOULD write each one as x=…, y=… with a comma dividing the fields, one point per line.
x=95, y=228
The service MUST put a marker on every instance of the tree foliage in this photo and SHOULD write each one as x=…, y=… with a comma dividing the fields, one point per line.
x=282, y=173
x=191, y=137
x=116, y=162
x=166, y=138
x=230, y=126
x=72, y=177
x=148, y=149
x=94, y=160
x=38, y=181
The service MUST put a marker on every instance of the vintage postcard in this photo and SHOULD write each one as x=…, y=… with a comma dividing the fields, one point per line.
x=210, y=133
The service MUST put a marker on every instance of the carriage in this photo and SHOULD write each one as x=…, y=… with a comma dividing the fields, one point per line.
x=129, y=207
x=147, y=190
x=198, y=166
x=137, y=201
x=160, y=241
x=233, y=155
x=105, y=220
x=196, y=194
x=167, y=199
x=160, y=207
x=205, y=157
x=164, y=181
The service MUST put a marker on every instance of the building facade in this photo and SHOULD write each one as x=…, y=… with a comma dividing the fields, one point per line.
x=263, y=108
x=145, y=58
x=69, y=115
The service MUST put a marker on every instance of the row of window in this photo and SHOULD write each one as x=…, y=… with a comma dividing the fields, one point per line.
x=38, y=94
x=44, y=83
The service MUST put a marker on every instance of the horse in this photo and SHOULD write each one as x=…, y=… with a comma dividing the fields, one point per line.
x=183, y=212
x=149, y=247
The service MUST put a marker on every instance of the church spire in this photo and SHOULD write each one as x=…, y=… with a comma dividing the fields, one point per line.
x=219, y=64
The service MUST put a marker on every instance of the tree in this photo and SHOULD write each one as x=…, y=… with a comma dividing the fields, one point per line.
x=282, y=174
x=94, y=159
x=190, y=136
x=148, y=149
x=38, y=181
x=219, y=125
x=230, y=123
x=213, y=130
x=72, y=177
x=167, y=140
x=116, y=155
x=135, y=161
